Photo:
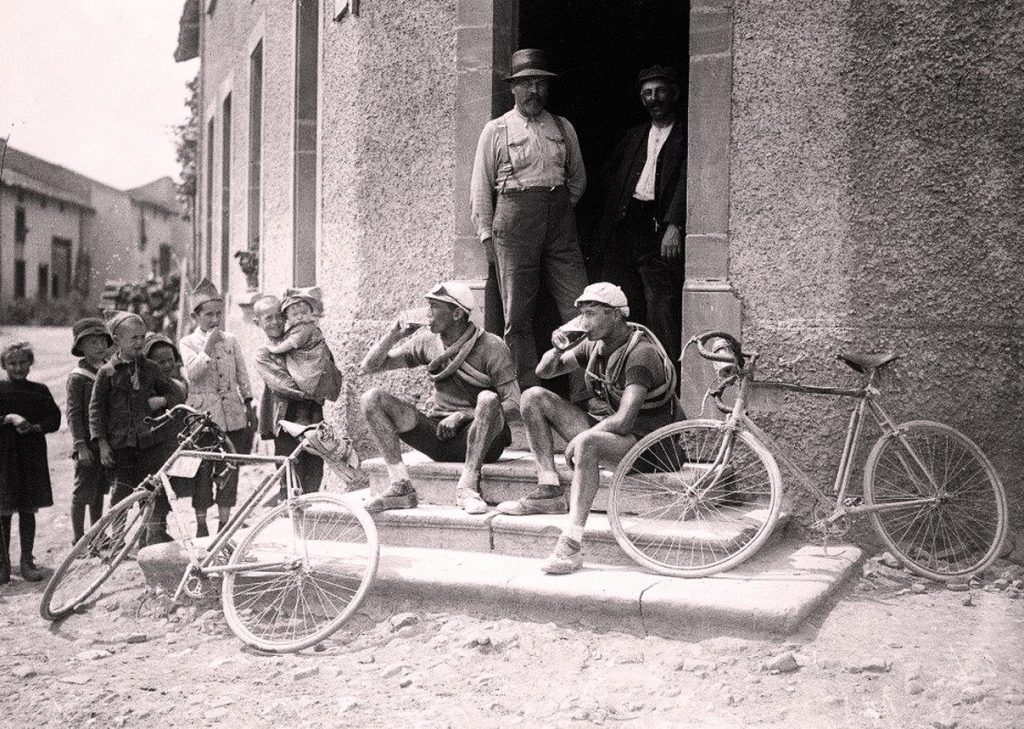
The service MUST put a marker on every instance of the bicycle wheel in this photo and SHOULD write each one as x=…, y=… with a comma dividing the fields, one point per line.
x=303, y=569
x=678, y=509
x=96, y=555
x=960, y=529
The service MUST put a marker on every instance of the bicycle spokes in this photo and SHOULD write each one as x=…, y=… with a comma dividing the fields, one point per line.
x=942, y=507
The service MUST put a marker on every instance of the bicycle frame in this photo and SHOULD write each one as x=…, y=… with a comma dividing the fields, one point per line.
x=867, y=400
x=204, y=564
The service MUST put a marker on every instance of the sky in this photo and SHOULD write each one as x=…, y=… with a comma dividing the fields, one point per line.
x=92, y=85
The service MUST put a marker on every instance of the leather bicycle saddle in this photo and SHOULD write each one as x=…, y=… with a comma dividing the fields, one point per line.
x=866, y=362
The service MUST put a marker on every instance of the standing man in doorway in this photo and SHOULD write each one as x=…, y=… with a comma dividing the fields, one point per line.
x=527, y=177
x=642, y=232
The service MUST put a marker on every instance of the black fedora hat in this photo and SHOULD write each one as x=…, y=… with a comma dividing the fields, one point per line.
x=530, y=63
x=665, y=73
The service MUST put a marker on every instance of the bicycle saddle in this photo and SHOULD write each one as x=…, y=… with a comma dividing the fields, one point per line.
x=295, y=430
x=864, y=362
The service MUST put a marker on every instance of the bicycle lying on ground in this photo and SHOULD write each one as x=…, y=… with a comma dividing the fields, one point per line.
x=287, y=582
x=699, y=497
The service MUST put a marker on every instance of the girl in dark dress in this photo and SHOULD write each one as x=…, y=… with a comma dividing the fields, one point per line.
x=27, y=413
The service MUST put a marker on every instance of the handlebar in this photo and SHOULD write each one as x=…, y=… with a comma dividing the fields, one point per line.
x=161, y=419
x=728, y=351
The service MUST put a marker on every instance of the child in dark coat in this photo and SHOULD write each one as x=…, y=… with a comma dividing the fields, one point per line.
x=92, y=343
x=160, y=349
x=129, y=389
x=27, y=413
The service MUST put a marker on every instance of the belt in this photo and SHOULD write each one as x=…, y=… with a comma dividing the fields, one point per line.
x=532, y=188
x=645, y=211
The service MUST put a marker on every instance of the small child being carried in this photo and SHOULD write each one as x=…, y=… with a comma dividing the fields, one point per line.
x=307, y=357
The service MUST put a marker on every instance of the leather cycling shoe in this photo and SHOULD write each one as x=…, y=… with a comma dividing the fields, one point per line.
x=399, y=495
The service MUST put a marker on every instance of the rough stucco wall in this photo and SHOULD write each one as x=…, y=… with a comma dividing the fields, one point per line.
x=387, y=171
x=387, y=167
x=876, y=180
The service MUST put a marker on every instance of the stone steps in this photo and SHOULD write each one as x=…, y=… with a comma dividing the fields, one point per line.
x=448, y=527
x=770, y=595
x=511, y=477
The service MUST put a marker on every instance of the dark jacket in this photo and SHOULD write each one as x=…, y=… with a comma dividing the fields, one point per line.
x=622, y=172
x=118, y=411
x=79, y=396
x=24, y=471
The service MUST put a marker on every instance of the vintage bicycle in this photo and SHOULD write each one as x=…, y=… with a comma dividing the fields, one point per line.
x=287, y=582
x=699, y=497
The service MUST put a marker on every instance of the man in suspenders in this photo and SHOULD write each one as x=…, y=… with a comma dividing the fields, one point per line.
x=527, y=176
x=632, y=387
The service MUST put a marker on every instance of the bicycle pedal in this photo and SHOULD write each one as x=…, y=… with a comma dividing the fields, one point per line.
x=853, y=501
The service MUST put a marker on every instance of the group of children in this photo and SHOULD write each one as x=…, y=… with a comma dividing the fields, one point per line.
x=124, y=377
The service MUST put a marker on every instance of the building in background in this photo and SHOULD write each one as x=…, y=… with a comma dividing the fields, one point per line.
x=63, y=233
x=854, y=175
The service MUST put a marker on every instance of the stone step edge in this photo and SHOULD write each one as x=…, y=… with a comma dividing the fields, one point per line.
x=770, y=595
x=767, y=596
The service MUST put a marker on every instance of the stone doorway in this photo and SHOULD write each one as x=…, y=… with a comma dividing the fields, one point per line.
x=598, y=47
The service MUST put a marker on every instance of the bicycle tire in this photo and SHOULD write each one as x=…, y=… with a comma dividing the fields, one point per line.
x=964, y=532
x=666, y=527
x=91, y=561
x=332, y=550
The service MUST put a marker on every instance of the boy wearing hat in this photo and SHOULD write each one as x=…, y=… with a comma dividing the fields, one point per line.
x=129, y=388
x=218, y=385
x=632, y=387
x=466, y=416
x=528, y=176
x=92, y=343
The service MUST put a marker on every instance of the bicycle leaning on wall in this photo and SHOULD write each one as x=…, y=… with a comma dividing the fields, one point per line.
x=701, y=496
x=287, y=582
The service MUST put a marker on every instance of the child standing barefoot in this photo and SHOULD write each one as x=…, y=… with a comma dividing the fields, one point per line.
x=27, y=413
x=92, y=343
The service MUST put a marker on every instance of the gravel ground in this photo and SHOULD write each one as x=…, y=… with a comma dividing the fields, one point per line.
x=891, y=653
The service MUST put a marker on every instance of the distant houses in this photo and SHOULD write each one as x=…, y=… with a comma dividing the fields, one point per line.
x=62, y=233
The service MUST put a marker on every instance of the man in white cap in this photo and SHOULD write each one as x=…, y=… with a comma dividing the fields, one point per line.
x=474, y=395
x=528, y=175
x=631, y=385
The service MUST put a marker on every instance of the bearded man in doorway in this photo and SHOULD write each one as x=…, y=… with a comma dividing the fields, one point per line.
x=642, y=229
x=527, y=176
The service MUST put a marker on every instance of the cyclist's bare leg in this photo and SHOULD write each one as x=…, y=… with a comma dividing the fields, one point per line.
x=593, y=448
x=387, y=416
x=545, y=413
x=488, y=420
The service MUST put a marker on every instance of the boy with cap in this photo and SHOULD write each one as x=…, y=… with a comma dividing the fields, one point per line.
x=474, y=395
x=92, y=343
x=129, y=388
x=632, y=387
x=218, y=385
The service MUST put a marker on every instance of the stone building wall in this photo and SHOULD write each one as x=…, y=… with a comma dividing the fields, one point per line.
x=876, y=179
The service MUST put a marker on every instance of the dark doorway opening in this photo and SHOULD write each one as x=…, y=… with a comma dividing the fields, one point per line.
x=598, y=47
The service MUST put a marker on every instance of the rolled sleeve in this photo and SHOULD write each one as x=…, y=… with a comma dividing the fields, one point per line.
x=481, y=186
